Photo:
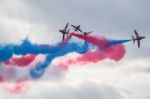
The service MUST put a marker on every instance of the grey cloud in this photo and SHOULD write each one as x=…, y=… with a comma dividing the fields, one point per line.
x=20, y=19
x=86, y=90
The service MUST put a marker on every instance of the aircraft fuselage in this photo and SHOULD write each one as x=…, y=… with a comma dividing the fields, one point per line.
x=139, y=38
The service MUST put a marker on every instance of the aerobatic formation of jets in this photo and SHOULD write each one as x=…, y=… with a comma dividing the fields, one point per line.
x=77, y=28
x=66, y=31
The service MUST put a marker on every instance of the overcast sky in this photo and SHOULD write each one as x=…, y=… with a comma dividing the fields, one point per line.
x=115, y=19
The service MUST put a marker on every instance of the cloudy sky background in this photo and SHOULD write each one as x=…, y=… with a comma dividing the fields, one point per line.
x=116, y=19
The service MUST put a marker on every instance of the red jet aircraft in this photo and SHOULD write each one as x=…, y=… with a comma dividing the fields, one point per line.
x=137, y=38
x=65, y=31
x=77, y=28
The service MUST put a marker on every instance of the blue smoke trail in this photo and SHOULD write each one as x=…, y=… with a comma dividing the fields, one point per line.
x=26, y=47
x=115, y=42
x=39, y=69
x=6, y=52
x=51, y=52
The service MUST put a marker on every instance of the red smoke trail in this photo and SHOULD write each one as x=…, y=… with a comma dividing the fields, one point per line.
x=1, y=78
x=21, y=61
x=17, y=87
x=99, y=41
x=115, y=53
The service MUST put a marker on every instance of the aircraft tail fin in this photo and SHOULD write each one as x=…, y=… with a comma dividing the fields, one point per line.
x=133, y=39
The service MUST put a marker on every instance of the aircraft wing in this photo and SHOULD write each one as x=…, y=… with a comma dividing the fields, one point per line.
x=68, y=31
x=63, y=37
x=73, y=26
x=66, y=26
x=90, y=32
x=138, y=41
x=136, y=33
x=80, y=30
